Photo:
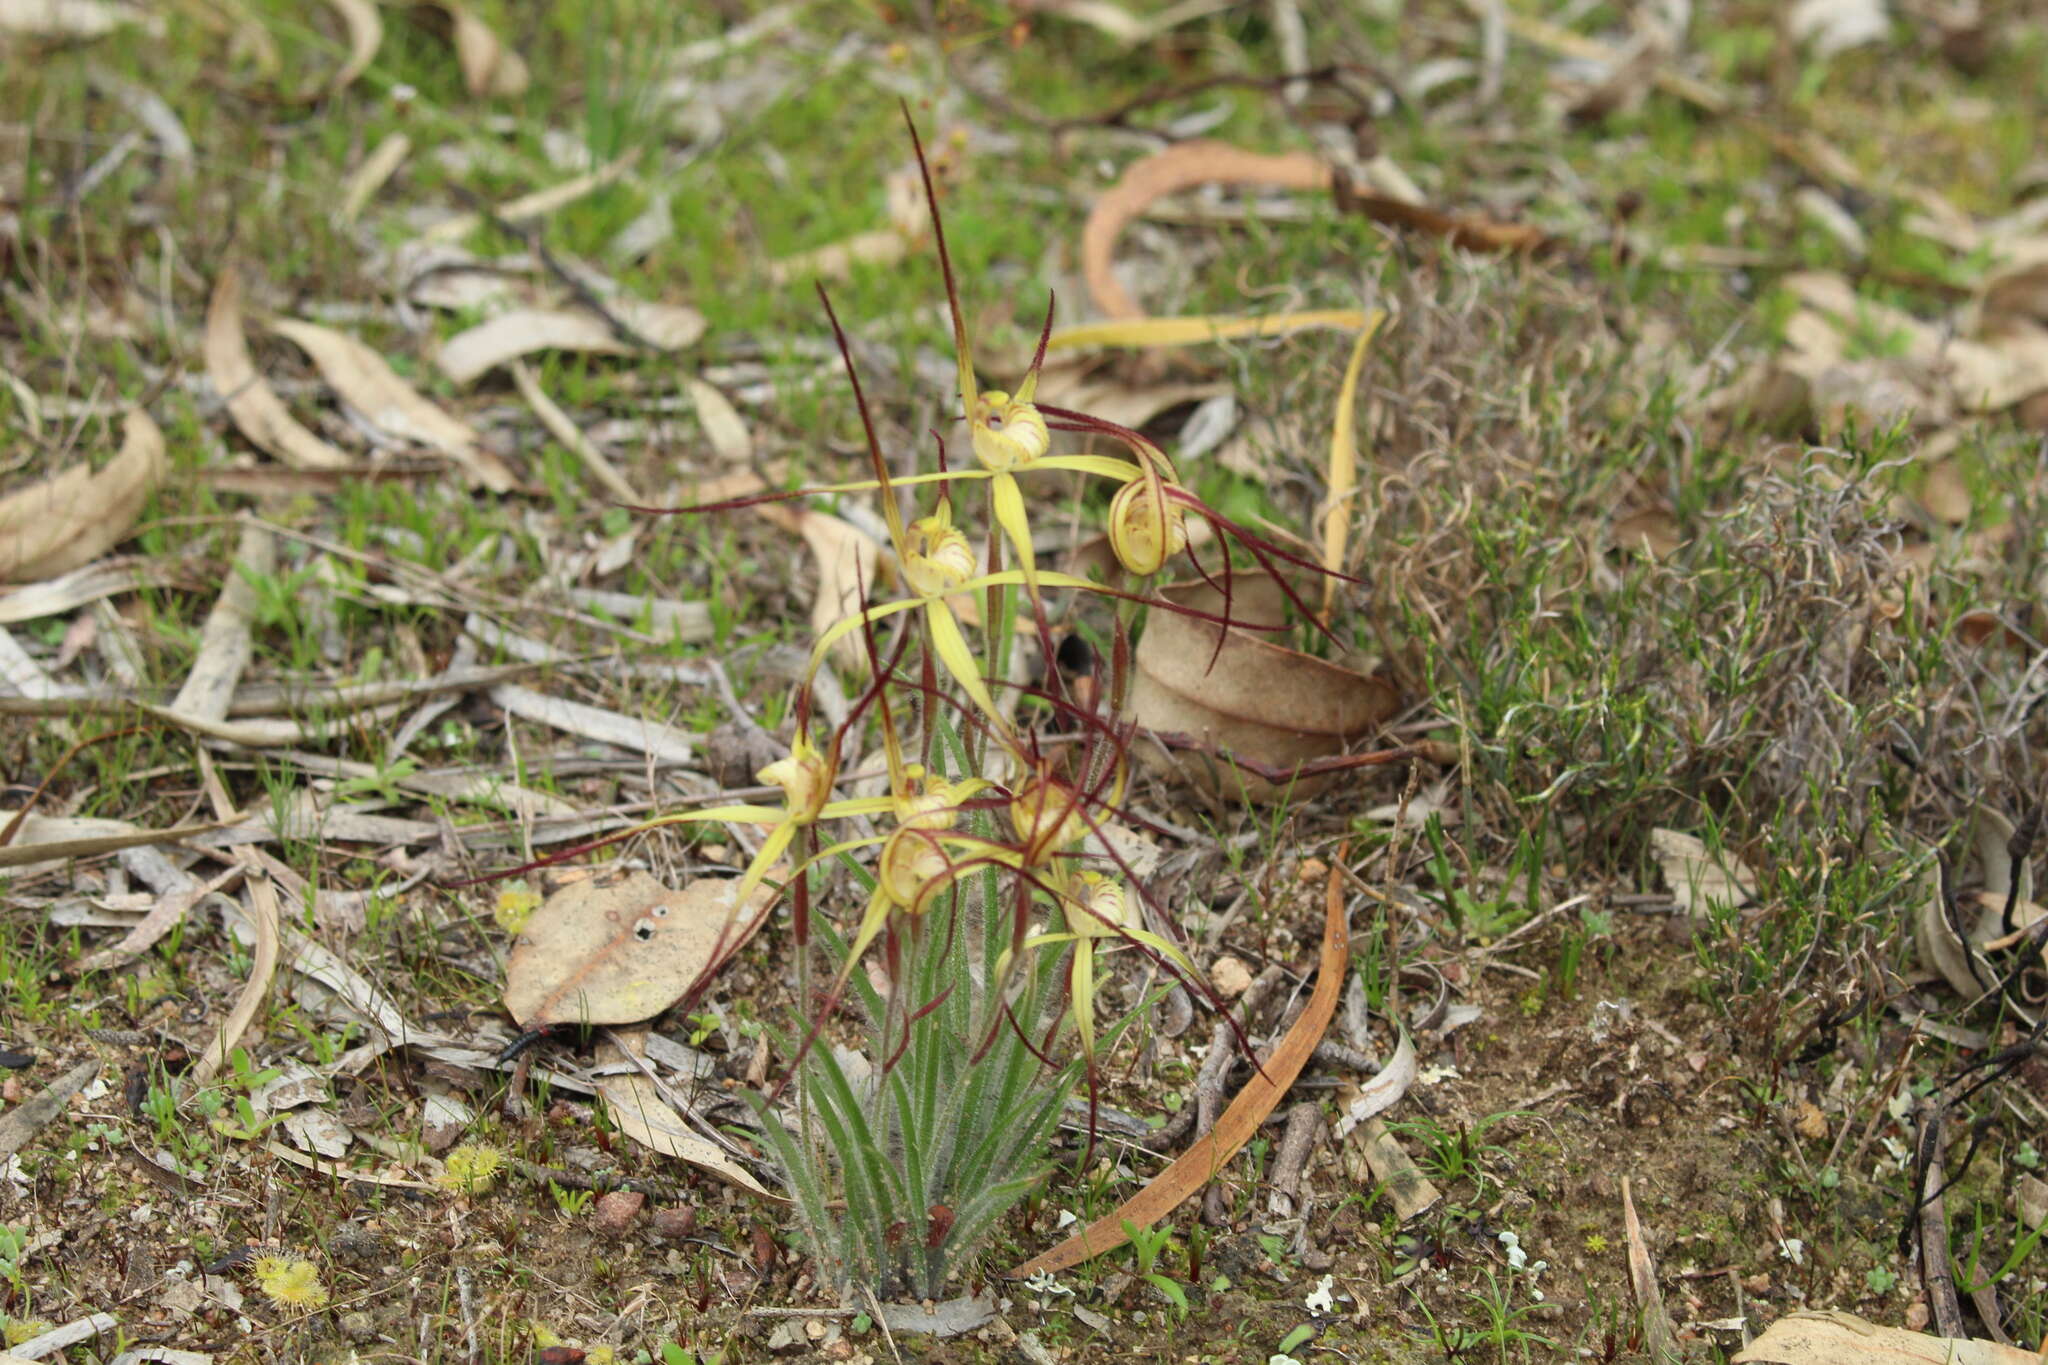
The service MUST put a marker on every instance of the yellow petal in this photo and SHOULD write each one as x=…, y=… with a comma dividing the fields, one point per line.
x=951, y=647
x=1008, y=500
x=1123, y=471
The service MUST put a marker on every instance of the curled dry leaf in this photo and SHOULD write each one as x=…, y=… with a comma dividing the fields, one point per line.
x=55, y=526
x=619, y=952
x=1951, y=940
x=636, y=1105
x=1260, y=701
x=1701, y=879
x=1179, y=167
x=365, y=382
x=1380, y=1093
x=489, y=68
x=469, y=355
x=258, y=412
x=1838, y=1338
x=365, y=36
x=378, y=167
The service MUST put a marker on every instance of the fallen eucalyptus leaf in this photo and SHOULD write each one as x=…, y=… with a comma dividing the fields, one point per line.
x=489, y=68
x=636, y=1105
x=367, y=383
x=62, y=523
x=620, y=952
x=365, y=36
x=1273, y=707
x=470, y=355
x=71, y=18
x=1838, y=1338
x=1701, y=880
x=255, y=407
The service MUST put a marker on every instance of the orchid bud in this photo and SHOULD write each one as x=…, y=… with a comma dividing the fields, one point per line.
x=1099, y=908
x=805, y=776
x=1146, y=526
x=1047, y=816
x=937, y=559
x=1008, y=434
x=911, y=867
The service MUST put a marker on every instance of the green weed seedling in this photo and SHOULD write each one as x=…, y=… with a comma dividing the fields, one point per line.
x=1146, y=1244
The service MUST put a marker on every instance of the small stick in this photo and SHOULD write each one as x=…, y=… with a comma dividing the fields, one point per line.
x=1297, y=1144
x=1936, y=1278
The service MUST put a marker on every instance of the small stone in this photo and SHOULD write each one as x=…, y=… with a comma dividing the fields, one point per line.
x=1917, y=1316
x=674, y=1224
x=615, y=1212
x=786, y=1339
x=358, y=1326
x=1316, y=1259
x=356, y=1244
x=1230, y=977
x=1313, y=870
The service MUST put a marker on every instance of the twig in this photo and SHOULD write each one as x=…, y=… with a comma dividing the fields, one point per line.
x=1290, y=1161
x=1937, y=1278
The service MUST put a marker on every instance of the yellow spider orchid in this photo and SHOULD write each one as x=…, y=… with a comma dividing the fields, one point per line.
x=1095, y=907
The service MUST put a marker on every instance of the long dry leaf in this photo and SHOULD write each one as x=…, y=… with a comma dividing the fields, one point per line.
x=1200, y=330
x=255, y=407
x=566, y=431
x=53, y=527
x=1344, y=463
x=1838, y=1338
x=41, y=844
x=621, y=952
x=468, y=356
x=636, y=1105
x=21, y=1122
x=847, y=560
x=363, y=380
x=365, y=36
x=379, y=166
x=1460, y=230
x=266, y=918
x=537, y=204
x=1202, y=1162
x=1662, y=1346
x=83, y=586
x=71, y=18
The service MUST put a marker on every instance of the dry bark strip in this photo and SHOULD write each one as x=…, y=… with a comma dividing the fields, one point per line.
x=1200, y=1163
x=24, y=1121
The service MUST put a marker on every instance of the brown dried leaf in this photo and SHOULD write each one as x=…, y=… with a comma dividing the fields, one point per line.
x=1199, y=1164
x=365, y=36
x=723, y=426
x=1838, y=1338
x=255, y=407
x=619, y=952
x=363, y=380
x=1700, y=879
x=469, y=355
x=489, y=68
x=1264, y=703
x=1178, y=167
x=55, y=526
x=637, y=1107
